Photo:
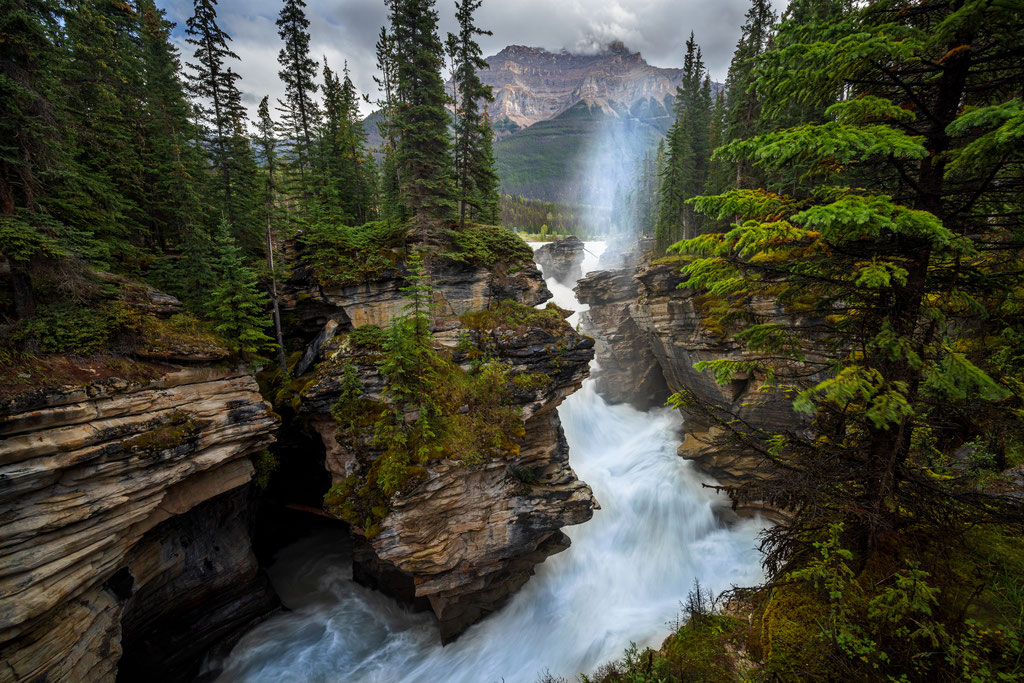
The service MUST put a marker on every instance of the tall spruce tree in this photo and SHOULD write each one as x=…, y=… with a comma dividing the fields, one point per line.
x=267, y=144
x=32, y=146
x=475, y=177
x=348, y=168
x=298, y=73
x=213, y=85
x=171, y=162
x=236, y=305
x=391, y=206
x=487, y=182
x=103, y=82
x=687, y=152
x=743, y=102
x=420, y=119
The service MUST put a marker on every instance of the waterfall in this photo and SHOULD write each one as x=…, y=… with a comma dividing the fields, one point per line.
x=621, y=581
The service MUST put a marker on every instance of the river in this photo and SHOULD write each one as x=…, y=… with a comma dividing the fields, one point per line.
x=621, y=581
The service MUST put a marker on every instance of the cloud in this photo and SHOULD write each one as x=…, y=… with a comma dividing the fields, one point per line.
x=347, y=30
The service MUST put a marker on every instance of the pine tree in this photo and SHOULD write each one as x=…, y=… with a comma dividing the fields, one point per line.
x=236, y=305
x=348, y=168
x=489, y=209
x=104, y=85
x=171, y=162
x=420, y=119
x=32, y=145
x=214, y=88
x=268, y=148
x=687, y=152
x=475, y=177
x=298, y=73
x=744, y=104
x=391, y=206
x=719, y=178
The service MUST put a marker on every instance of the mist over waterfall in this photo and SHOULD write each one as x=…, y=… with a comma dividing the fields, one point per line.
x=617, y=169
x=621, y=581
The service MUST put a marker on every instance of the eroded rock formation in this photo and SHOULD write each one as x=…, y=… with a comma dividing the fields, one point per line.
x=651, y=334
x=562, y=260
x=466, y=536
x=628, y=371
x=123, y=511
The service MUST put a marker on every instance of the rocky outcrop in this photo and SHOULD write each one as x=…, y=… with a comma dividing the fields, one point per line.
x=102, y=488
x=628, y=371
x=465, y=536
x=458, y=288
x=468, y=535
x=562, y=260
x=197, y=588
x=680, y=336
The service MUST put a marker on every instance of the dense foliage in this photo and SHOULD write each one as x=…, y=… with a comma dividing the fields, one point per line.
x=116, y=157
x=870, y=271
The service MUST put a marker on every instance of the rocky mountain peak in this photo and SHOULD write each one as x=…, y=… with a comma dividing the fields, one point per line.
x=533, y=84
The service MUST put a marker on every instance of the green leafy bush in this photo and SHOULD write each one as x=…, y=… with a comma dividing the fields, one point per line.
x=486, y=245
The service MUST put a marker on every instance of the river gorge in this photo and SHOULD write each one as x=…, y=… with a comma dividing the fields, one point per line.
x=621, y=581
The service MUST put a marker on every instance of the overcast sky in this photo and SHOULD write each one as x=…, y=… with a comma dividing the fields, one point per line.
x=347, y=30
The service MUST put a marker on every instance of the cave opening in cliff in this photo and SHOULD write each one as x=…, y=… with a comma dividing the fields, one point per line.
x=291, y=506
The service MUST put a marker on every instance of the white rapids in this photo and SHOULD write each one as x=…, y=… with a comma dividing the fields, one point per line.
x=621, y=581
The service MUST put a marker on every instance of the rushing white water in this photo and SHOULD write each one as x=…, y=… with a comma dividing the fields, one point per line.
x=621, y=581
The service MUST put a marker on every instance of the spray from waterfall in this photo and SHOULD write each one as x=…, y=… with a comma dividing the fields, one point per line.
x=617, y=171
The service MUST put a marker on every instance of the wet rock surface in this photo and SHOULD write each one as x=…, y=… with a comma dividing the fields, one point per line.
x=628, y=370
x=562, y=260
x=466, y=537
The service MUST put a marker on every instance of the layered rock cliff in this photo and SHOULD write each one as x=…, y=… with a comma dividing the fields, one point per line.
x=628, y=371
x=652, y=334
x=464, y=532
x=124, y=516
x=125, y=484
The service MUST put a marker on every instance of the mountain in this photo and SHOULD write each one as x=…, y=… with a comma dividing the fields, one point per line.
x=532, y=84
x=574, y=128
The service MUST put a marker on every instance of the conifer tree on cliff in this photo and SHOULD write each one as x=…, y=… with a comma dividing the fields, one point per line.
x=31, y=145
x=742, y=101
x=171, y=161
x=298, y=73
x=348, y=168
x=475, y=177
x=268, y=148
x=391, y=206
x=420, y=119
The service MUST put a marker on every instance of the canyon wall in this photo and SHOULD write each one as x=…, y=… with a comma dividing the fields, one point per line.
x=652, y=334
x=124, y=514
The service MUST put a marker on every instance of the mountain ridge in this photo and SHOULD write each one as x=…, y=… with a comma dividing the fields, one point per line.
x=533, y=84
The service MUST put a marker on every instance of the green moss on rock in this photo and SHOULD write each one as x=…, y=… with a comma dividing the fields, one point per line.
x=177, y=429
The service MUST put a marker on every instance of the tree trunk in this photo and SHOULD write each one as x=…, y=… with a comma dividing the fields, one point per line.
x=273, y=298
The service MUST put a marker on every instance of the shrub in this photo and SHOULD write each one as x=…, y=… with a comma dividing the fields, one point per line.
x=486, y=245
x=77, y=330
x=344, y=255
